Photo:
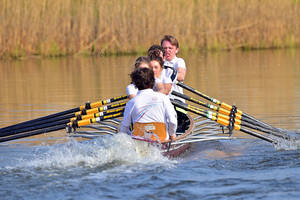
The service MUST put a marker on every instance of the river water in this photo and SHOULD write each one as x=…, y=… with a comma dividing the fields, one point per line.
x=265, y=84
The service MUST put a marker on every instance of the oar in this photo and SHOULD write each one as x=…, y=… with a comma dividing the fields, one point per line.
x=79, y=123
x=99, y=114
x=49, y=118
x=223, y=121
x=67, y=120
x=51, y=129
x=32, y=133
x=204, y=104
x=227, y=118
x=249, y=123
x=227, y=107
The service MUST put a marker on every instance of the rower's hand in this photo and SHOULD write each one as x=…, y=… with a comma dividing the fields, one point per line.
x=173, y=137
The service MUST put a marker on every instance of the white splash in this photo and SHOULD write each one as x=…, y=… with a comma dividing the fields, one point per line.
x=292, y=144
x=119, y=149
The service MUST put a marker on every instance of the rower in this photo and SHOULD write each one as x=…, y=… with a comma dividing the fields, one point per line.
x=176, y=70
x=149, y=111
x=156, y=50
x=140, y=62
x=172, y=62
x=163, y=83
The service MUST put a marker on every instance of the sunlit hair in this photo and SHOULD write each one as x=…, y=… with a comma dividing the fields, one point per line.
x=140, y=60
x=158, y=59
x=143, y=78
x=156, y=50
x=171, y=39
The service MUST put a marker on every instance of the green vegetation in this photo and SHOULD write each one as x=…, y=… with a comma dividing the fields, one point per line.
x=94, y=27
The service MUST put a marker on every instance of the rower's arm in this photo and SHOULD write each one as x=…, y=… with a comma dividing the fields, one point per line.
x=167, y=88
x=131, y=96
x=124, y=129
x=126, y=122
x=172, y=117
x=181, y=69
x=181, y=74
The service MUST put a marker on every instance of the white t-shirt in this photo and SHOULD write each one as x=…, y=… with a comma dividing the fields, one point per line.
x=163, y=79
x=175, y=63
x=131, y=89
x=149, y=106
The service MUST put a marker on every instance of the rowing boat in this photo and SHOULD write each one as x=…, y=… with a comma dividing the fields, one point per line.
x=191, y=130
x=95, y=119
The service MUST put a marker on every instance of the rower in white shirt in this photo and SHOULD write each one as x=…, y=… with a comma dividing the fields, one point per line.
x=140, y=62
x=172, y=62
x=148, y=109
x=163, y=83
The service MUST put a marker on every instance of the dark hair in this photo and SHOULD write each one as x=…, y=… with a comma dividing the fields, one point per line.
x=140, y=60
x=171, y=39
x=143, y=78
x=155, y=50
x=158, y=59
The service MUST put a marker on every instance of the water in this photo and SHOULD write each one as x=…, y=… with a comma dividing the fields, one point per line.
x=113, y=169
x=52, y=166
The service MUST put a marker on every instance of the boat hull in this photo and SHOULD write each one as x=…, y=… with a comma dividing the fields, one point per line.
x=190, y=130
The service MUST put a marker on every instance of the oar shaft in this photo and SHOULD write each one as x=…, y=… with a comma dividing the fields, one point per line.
x=207, y=105
x=245, y=120
x=59, y=126
x=94, y=115
x=37, y=121
x=80, y=123
x=263, y=137
x=63, y=120
x=37, y=132
x=100, y=109
x=103, y=102
x=223, y=121
x=32, y=126
x=36, y=127
x=243, y=115
x=219, y=103
x=83, y=107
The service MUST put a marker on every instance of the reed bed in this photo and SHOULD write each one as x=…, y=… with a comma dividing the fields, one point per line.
x=94, y=27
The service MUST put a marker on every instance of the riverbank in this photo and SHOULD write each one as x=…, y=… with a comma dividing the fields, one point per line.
x=73, y=27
